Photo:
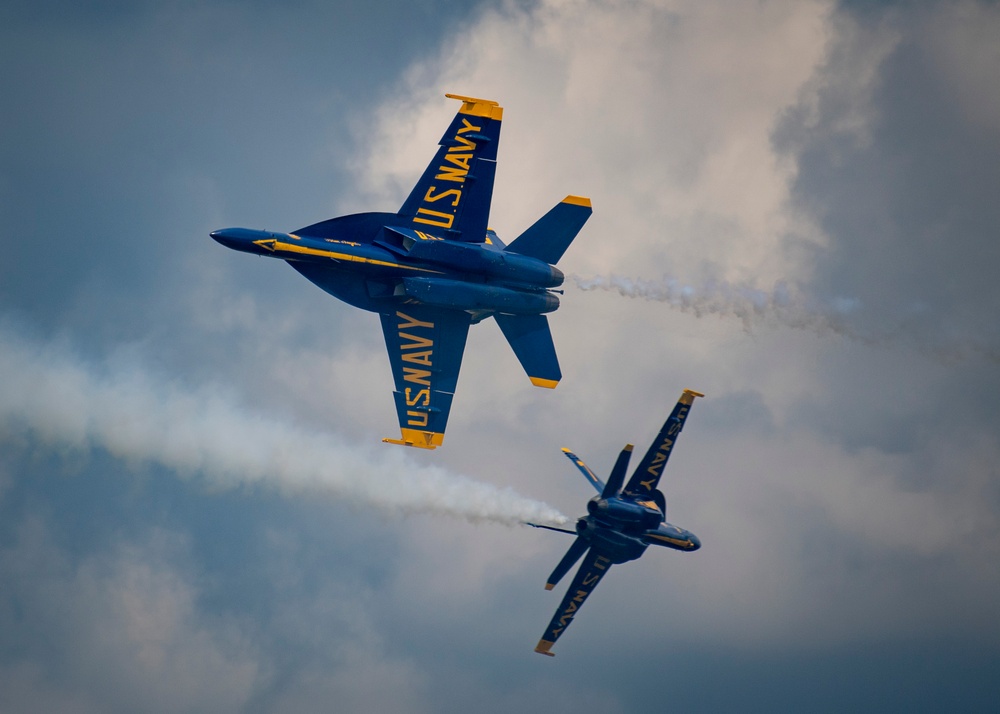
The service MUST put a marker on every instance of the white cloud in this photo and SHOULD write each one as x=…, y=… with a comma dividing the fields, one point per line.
x=661, y=112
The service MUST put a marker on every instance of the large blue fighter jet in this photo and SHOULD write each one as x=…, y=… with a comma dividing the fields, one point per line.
x=620, y=524
x=434, y=267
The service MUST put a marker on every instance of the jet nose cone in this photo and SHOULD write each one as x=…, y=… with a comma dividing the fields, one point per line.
x=233, y=237
x=222, y=236
x=695, y=541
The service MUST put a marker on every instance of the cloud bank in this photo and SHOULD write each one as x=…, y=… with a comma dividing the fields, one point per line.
x=133, y=416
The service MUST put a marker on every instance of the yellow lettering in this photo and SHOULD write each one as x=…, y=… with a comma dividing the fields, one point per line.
x=423, y=358
x=451, y=173
x=446, y=218
x=414, y=341
x=461, y=160
x=602, y=562
x=414, y=400
x=431, y=197
x=591, y=578
x=648, y=485
x=417, y=376
x=469, y=144
x=467, y=127
x=416, y=418
x=412, y=322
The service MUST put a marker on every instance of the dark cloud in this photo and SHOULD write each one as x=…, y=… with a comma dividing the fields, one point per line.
x=902, y=180
x=844, y=482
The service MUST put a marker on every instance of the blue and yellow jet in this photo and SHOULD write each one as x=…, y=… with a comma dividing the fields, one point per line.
x=434, y=268
x=620, y=524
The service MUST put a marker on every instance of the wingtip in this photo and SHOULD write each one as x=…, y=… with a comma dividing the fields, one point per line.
x=549, y=586
x=543, y=647
x=478, y=107
x=401, y=442
x=418, y=439
x=689, y=395
x=578, y=201
x=546, y=383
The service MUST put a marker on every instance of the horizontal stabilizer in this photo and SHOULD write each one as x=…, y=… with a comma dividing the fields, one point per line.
x=531, y=340
x=574, y=553
x=551, y=234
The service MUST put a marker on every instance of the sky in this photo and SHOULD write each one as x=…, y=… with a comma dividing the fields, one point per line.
x=794, y=213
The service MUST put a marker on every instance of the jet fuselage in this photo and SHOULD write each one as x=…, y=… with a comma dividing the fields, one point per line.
x=416, y=268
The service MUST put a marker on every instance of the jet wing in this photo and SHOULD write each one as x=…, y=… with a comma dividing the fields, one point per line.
x=594, y=567
x=644, y=481
x=452, y=198
x=425, y=347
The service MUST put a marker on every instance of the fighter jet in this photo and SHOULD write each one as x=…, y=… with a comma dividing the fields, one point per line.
x=434, y=267
x=620, y=523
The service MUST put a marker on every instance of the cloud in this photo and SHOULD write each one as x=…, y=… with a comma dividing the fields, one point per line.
x=135, y=417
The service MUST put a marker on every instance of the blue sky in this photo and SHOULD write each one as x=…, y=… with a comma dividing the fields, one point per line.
x=794, y=213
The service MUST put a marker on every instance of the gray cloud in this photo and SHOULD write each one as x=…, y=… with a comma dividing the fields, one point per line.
x=846, y=493
x=136, y=418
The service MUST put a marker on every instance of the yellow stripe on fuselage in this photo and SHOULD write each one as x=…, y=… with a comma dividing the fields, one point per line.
x=668, y=539
x=334, y=255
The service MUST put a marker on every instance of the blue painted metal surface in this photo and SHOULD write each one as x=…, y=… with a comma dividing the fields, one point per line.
x=434, y=267
x=620, y=523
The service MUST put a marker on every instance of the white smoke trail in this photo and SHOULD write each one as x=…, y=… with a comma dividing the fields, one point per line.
x=784, y=306
x=49, y=393
x=749, y=305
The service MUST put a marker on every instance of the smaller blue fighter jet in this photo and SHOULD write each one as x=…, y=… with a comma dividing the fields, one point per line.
x=620, y=524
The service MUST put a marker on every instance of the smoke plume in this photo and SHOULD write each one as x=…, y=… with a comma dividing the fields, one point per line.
x=789, y=308
x=51, y=394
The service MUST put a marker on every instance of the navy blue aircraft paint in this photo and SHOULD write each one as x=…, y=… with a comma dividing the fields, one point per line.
x=434, y=268
x=620, y=524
